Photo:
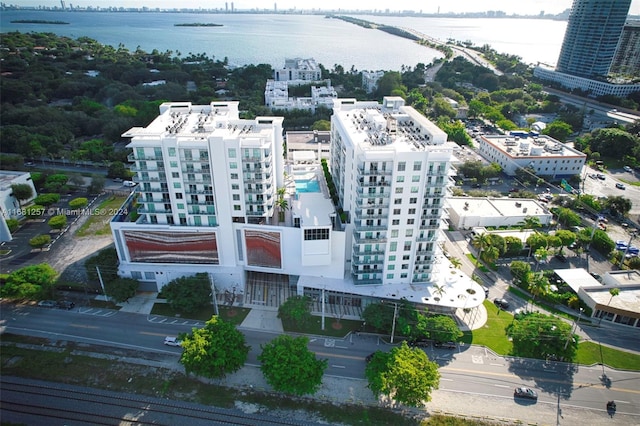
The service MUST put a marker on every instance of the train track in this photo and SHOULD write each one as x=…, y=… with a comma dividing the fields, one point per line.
x=36, y=402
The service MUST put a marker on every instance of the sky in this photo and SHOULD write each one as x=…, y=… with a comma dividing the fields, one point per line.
x=425, y=6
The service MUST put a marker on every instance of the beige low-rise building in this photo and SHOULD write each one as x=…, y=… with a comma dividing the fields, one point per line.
x=470, y=212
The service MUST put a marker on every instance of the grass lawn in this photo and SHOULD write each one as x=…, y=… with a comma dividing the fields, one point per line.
x=332, y=327
x=477, y=263
x=547, y=307
x=589, y=353
x=232, y=314
x=492, y=334
x=98, y=224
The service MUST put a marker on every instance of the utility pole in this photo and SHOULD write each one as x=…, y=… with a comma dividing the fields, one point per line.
x=322, y=325
x=101, y=282
x=393, y=326
x=213, y=295
x=633, y=235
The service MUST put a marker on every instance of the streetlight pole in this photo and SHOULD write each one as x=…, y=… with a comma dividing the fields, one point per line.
x=633, y=235
x=393, y=326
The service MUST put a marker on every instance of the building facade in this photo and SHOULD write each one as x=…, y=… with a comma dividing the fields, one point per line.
x=210, y=196
x=627, y=59
x=10, y=207
x=592, y=35
x=298, y=69
x=545, y=155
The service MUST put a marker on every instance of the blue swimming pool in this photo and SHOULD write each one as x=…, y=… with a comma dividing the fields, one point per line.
x=307, y=186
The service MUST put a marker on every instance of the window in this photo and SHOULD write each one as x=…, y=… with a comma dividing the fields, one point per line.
x=136, y=275
x=414, y=189
x=316, y=234
x=404, y=275
x=399, y=190
x=413, y=200
x=177, y=185
x=417, y=166
x=235, y=186
x=393, y=246
x=173, y=164
x=236, y=197
x=412, y=211
x=396, y=211
x=390, y=276
x=408, y=233
x=237, y=207
x=233, y=165
x=405, y=266
x=415, y=178
x=234, y=176
x=391, y=267
x=402, y=166
x=175, y=175
x=410, y=221
x=232, y=153
x=400, y=179
x=407, y=246
x=392, y=258
x=394, y=233
x=397, y=201
x=172, y=152
x=178, y=195
x=395, y=222
x=180, y=206
x=405, y=257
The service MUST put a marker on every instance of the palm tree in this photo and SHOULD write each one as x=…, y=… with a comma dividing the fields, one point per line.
x=281, y=203
x=481, y=242
x=539, y=285
x=455, y=262
x=530, y=222
x=439, y=290
x=613, y=292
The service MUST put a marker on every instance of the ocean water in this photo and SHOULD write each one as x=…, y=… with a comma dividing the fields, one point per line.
x=271, y=38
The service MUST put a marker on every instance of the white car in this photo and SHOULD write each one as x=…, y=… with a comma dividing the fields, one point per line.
x=628, y=169
x=172, y=341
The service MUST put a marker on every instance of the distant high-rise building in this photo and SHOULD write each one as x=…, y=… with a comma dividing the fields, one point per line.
x=592, y=35
x=627, y=59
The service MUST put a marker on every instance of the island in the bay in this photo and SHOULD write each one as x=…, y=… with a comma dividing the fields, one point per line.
x=197, y=24
x=38, y=21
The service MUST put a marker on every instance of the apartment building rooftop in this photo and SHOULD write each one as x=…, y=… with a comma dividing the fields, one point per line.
x=522, y=145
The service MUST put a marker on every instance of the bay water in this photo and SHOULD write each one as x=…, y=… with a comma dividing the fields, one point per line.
x=271, y=38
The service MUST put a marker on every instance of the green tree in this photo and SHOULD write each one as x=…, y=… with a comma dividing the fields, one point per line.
x=97, y=184
x=39, y=241
x=78, y=203
x=404, y=374
x=296, y=309
x=12, y=224
x=566, y=237
x=379, y=316
x=34, y=211
x=21, y=192
x=558, y=130
x=538, y=285
x=30, y=282
x=530, y=222
x=117, y=169
x=58, y=221
x=519, y=269
x=455, y=262
x=107, y=262
x=321, y=125
x=289, y=366
x=188, y=294
x=514, y=246
x=214, y=350
x=618, y=205
x=481, y=242
x=442, y=328
x=55, y=182
x=281, y=203
x=568, y=217
x=541, y=336
x=121, y=289
x=47, y=199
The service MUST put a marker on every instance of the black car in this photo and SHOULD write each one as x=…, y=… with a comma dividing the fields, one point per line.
x=524, y=392
x=66, y=304
x=445, y=345
x=561, y=257
x=501, y=303
x=418, y=343
x=596, y=276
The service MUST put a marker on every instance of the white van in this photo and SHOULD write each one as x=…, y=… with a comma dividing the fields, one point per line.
x=129, y=183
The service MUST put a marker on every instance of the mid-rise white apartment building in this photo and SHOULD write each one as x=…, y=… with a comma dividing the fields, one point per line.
x=298, y=69
x=210, y=194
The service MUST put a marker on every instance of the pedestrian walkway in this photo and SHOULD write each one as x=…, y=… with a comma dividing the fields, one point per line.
x=263, y=318
x=141, y=303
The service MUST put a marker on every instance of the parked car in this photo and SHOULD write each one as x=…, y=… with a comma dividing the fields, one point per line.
x=172, y=341
x=422, y=343
x=524, y=392
x=628, y=169
x=47, y=303
x=620, y=186
x=561, y=257
x=66, y=304
x=596, y=276
x=445, y=345
x=501, y=303
x=600, y=176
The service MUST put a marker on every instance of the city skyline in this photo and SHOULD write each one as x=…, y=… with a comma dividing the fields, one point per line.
x=525, y=7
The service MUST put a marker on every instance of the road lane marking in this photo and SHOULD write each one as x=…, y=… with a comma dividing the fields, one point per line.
x=502, y=386
x=83, y=326
x=338, y=366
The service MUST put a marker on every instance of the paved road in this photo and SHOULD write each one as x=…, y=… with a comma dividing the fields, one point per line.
x=474, y=380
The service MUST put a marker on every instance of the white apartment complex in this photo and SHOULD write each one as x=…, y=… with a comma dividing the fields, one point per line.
x=298, y=69
x=545, y=155
x=276, y=97
x=208, y=200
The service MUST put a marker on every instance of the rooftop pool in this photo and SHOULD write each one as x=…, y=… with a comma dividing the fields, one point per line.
x=307, y=185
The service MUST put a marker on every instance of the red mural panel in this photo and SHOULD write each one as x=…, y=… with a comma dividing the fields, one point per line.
x=172, y=247
x=263, y=248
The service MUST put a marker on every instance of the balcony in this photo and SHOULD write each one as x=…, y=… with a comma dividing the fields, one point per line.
x=149, y=179
x=371, y=203
x=358, y=262
x=374, y=172
x=266, y=189
x=254, y=179
x=364, y=227
x=200, y=203
x=144, y=210
x=257, y=214
x=360, y=280
x=366, y=183
x=369, y=240
x=157, y=168
x=201, y=181
x=198, y=191
x=366, y=194
x=131, y=157
x=374, y=252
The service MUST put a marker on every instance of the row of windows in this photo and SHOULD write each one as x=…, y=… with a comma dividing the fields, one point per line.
x=414, y=189
x=316, y=234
